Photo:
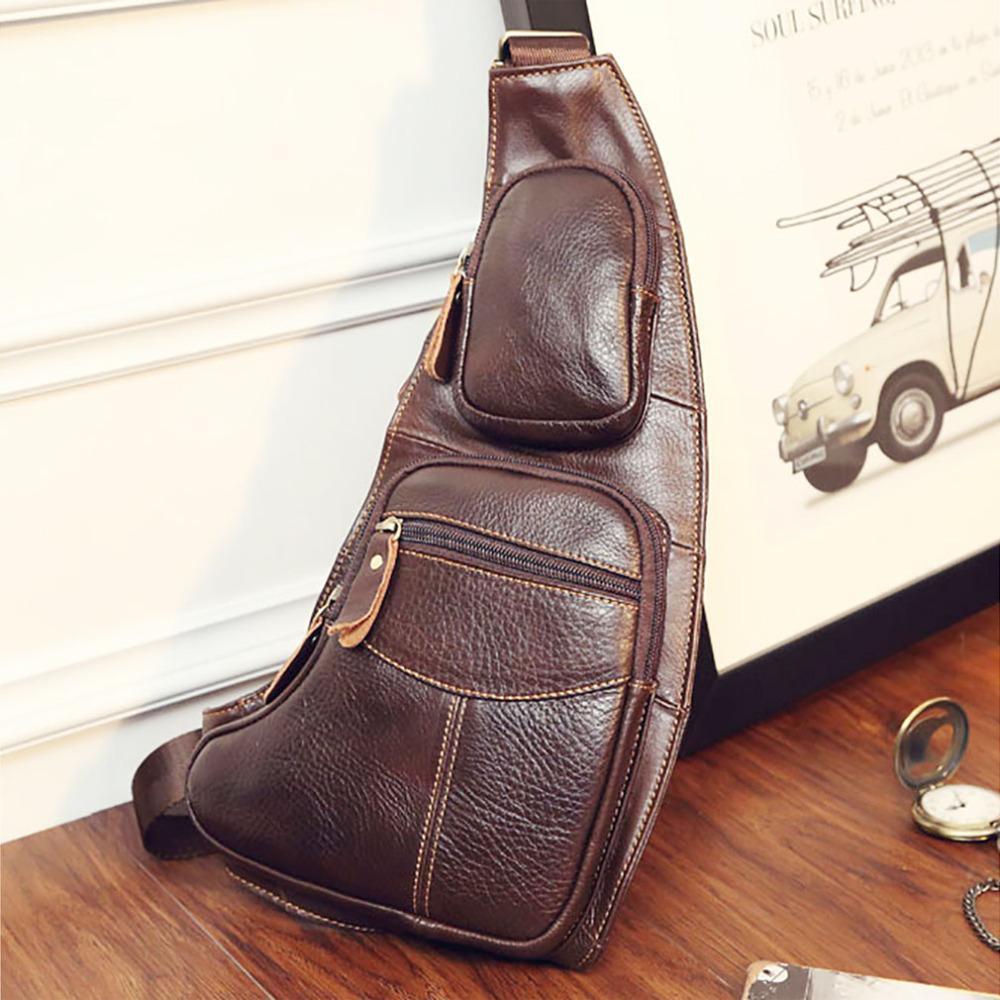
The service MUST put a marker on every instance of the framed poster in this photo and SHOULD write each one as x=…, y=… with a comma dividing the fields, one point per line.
x=836, y=171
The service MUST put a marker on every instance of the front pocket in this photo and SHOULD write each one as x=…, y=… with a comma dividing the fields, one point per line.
x=540, y=649
x=559, y=307
x=483, y=617
x=463, y=756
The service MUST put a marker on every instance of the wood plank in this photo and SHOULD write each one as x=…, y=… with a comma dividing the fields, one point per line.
x=81, y=918
x=791, y=840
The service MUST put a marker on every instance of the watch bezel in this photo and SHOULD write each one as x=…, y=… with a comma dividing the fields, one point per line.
x=910, y=733
x=950, y=831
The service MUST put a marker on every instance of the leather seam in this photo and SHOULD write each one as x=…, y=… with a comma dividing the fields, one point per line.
x=493, y=695
x=631, y=572
x=633, y=847
x=683, y=404
x=417, y=868
x=665, y=702
x=674, y=228
x=233, y=706
x=347, y=549
x=678, y=721
x=436, y=338
x=626, y=780
x=443, y=805
x=604, y=64
x=287, y=904
x=583, y=595
x=429, y=443
x=694, y=549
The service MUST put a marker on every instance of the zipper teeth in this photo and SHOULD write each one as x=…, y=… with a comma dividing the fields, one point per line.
x=650, y=517
x=511, y=556
x=655, y=525
x=649, y=224
x=653, y=521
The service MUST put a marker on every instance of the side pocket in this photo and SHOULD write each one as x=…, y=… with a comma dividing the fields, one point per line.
x=558, y=309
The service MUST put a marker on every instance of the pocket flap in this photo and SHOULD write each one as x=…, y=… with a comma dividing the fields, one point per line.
x=558, y=308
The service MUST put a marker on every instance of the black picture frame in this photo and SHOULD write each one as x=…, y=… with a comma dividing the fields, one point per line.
x=726, y=702
x=547, y=15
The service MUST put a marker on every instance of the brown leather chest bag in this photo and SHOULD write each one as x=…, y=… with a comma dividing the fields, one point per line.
x=474, y=738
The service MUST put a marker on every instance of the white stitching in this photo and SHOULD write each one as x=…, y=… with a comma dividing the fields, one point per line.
x=490, y=695
x=287, y=904
x=634, y=846
x=441, y=809
x=430, y=804
x=233, y=706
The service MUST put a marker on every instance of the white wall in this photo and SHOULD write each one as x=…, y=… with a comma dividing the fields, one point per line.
x=224, y=227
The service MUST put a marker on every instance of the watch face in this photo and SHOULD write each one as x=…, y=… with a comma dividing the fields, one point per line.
x=962, y=807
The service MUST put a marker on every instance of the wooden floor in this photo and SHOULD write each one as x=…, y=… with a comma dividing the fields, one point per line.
x=791, y=840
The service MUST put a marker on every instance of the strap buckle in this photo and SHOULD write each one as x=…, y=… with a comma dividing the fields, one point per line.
x=503, y=52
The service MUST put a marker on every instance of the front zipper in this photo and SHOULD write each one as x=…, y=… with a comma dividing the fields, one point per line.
x=371, y=584
x=655, y=525
x=651, y=270
x=652, y=519
x=516, y=557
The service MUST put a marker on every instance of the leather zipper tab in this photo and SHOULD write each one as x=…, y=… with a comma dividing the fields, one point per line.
x=370, y=585
x=437, y=357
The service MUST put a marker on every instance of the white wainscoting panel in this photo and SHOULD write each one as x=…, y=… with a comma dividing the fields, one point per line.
x=226, y=226
x=58, y=780
x=165, y=533
x=399, y=281
x=174, y=159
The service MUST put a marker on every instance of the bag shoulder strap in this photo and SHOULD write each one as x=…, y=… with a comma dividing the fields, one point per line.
x=542, y=48
x=159, y=794
x=160, y=804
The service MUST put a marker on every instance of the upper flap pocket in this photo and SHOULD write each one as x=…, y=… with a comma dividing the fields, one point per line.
x=559, y=308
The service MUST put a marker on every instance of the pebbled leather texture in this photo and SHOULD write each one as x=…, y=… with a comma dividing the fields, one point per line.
x=557, y=312
x=485, y=765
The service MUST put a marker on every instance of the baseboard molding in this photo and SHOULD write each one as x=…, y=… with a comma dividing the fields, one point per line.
x=75, y=732
x=60, y=780
x=48, y=353
x=240, y=644
x=45, y=10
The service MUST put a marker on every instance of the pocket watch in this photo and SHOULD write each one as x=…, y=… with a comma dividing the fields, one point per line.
x=930, y=745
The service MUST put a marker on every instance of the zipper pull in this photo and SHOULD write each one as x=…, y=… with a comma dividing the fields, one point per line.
x=437, y=357
x=306, y=642
x=370, y=585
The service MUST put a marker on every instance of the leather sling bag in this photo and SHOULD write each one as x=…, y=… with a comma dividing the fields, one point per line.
x=473, y=740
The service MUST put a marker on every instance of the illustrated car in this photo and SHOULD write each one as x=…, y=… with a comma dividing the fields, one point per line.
x=933, y=344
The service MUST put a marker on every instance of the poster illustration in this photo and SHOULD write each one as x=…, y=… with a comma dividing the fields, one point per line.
x=836, y=170
x=925, y=350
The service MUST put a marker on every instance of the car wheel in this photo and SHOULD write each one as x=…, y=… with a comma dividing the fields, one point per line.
x=910, y=413
x=840, y=468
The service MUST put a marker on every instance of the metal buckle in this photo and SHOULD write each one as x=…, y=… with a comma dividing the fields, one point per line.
x=503, y=52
